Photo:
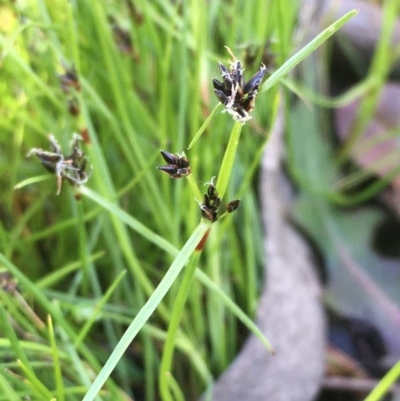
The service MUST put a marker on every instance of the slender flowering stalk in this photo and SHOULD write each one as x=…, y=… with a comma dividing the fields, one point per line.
x=228, y=160
x=204, y=126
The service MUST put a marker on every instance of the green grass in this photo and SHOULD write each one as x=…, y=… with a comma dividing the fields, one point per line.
x=112, y=299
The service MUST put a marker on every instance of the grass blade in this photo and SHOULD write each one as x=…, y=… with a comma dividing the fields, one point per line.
x=147, y=310
x=306, y=51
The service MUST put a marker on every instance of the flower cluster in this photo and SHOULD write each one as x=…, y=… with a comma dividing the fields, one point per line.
x=211, y=203
x=238, y=97
x=178, y=165
x=234, y=93
x=71, y=168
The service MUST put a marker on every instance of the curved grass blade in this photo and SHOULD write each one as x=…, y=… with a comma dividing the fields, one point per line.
x=147, y=310
x=203, y=127
x=32, y=180
x=130, y=221
x=58, y=379
x=306, y=51
x=207, y=282
x=384, y=385
x=229, y=158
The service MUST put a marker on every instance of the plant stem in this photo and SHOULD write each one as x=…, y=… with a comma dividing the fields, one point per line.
x=194, y=187
x=166, y=361
x=229, y=158
x=204, y=126
x=147, y=310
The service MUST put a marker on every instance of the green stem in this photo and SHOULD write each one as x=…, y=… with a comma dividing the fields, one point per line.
x=229, y=158
x=166, y=361
x=384, y=385
x=306, y=51
x=204, y=126
x=147, y=310
x=194, y=187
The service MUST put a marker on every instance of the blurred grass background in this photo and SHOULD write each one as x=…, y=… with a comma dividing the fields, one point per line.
x=145, y=71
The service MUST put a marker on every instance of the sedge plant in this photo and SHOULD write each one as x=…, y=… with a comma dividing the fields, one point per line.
x=106, y=282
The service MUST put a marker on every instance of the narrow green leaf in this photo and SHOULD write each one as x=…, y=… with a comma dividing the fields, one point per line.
x=169, y=345
x=228, y=160
x=147, y=310
x=56, y=365
x=306, y=51
x=207, y=282
x=384, y=385
x=7, y=388
x=139, y=227
x=35, y=384
x=203, y=127
x=32, y=180
x=82, y=334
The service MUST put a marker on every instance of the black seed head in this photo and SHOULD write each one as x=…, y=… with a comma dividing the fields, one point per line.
x=182, y=162
x=208, y=213
x=169, y=157
x=221, y=96
x=232, y=205
x=254, y=82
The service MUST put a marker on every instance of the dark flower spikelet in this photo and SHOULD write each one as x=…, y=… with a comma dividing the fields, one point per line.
x=233, y=205
x=211, y=202
x=234, y=93
x=178, y=165
x=71, y=168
